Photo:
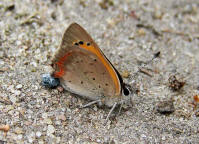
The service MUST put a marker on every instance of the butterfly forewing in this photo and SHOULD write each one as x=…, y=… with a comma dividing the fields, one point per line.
x=73, y=33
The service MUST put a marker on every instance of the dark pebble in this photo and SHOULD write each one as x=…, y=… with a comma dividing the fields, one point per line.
x=165, y=107
x=49, y=81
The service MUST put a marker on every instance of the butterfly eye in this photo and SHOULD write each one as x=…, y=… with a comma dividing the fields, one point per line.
x=126, y=91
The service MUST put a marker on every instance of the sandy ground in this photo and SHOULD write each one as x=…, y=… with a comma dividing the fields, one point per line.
x=129, y=33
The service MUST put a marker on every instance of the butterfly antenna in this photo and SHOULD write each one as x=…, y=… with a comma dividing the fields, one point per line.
x=144, y=70
x=112, y=109
x=156, y=55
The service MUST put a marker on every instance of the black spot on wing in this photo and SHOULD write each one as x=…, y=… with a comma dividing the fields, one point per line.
x=76, y=44
x=81, y=42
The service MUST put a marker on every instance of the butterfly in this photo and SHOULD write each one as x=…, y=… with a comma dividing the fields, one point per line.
x=83, y=69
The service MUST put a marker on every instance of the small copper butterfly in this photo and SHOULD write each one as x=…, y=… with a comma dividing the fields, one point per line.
x=83, y=69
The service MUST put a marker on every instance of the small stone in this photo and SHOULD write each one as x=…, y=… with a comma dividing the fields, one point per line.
x=38, y=134
x=1, y=54
x=95, y=108
x=18, y=42
x=111, y=22
x=196, y=98
x=163, y=138
x=165, y=107
x=143, y=135
x=58, y=139
x=49, y=81
x=44, y=115
x=125, y=74
x=13, y=99
x=141, y=32
x=17, y=92
x=33, y=64
x=60, y=88
x=50, y=130
x=31, y=137
x=20, y=137
x=10, y=7
x=2, y=62
x=157, y=14
x=30, y=140
x=41, y=142
x=19, y=86
x=19, y=130
x=48, y=121
x=175, y=84
x=33, y=70
x=197, y=113
x=58, y=122
x=27, y=123
x=62, y=117
x=9, y=108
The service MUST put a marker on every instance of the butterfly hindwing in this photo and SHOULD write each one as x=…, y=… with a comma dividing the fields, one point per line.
x=83, y=68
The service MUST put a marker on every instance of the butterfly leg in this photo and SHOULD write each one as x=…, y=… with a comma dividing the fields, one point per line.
x=112, y=109
x=120, y=108
x=91, y=103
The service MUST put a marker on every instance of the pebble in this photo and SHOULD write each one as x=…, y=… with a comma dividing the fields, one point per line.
x=58, y=122
x=44, y=115
x=95, y=108
x=50, y=130
x=17, y=92
x=38, y=134
x=33, y=64
x=20, y=137
x=163, y=138
x=31, y=137
x=196, y=98
x=141, y=32
x=98, y=140
x=48, y=121
x=41, y=142
x=18, y=42
x=49, y=81
x=19, y=86
x=125, y=74
x=165, y=107
x=2, y=62
x=197, y=113
x=19, y=130
x=175, y=84
x=13, y=98
x=62, y=117
x=9, y=108
x=1, y=54
x=158, y=14
x=143, y=135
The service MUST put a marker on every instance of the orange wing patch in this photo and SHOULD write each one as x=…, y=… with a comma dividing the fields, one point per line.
x=60, y=64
